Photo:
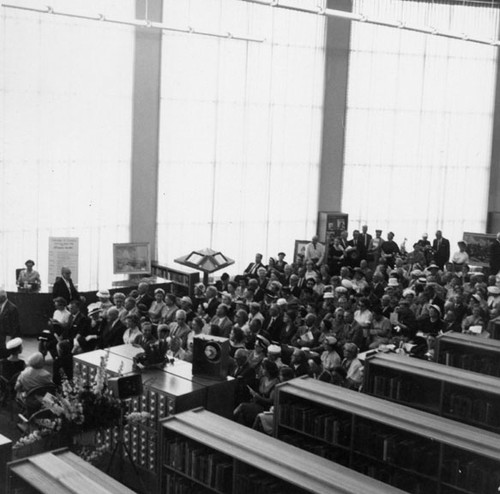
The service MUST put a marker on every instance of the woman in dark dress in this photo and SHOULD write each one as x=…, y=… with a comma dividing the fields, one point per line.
x=336, y=257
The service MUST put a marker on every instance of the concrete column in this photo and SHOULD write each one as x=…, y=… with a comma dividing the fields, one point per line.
x=145, y=126
x=335, y=103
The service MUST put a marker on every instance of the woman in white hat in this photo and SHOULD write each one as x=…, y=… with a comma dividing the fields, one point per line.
x=12, y=365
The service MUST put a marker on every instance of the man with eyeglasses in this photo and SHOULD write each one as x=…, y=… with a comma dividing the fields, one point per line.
x=180, y=329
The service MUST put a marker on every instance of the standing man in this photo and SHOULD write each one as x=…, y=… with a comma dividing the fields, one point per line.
x=389, y=250
x=63, y=286
x=9, y=322
x=441, y=248
x=315, y=252
x=374, y=248
x=495, y=256
x=366, y=240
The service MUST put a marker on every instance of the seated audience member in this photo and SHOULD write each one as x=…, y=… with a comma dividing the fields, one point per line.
x=244, y=374
x=147, y=337
x=245, y=413
x=61, y=312
x=432, y=324
x=251, y=269
x=289, y=328
x=236, y=340
x=132, y=333
x=187, y=306
x=460, y=257
x=330, y=357
x=143, y=297
x=158, y=308
x=380, y=330
x=259, y=352
x=274, y=355
x=33, y=376
x=175, y=349
x=180, y=329
x=12, y=365
x=199, y=296
x=104, y=300
x=62, y=367
x=339, y=377
x=212, y=302
x=264, y=422
x=299, y=363
x=130, y=307
x=119, y=302
x=308, y=334
x=315, y=252
x=88, y=341
x=353, y=366
x=111, y=330
x=222, y=320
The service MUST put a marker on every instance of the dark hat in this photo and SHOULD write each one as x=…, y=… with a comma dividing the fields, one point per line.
x=282, y=254
x=29, y=261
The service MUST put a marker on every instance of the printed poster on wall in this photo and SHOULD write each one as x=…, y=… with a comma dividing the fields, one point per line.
x=63, y=252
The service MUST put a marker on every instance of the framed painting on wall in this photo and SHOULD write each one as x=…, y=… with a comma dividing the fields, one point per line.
x=478, y=247
x=131, y=258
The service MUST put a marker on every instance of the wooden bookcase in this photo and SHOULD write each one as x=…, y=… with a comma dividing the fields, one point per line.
x=407, y=448
x=469, y=352
x=464, y=396
x=204, y=453
x=183, y=283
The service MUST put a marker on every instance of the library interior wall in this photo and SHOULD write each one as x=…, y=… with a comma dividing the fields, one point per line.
x=146, y=126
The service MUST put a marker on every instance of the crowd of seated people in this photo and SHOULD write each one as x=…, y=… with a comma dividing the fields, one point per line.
x=310, y=317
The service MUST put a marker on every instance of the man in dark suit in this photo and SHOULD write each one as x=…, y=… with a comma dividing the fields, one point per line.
x=356, y=249
x=366, y=240
x=244, y=375
x=495, y=255
x=251, y=269
x=274, y=323
x=63, y=286
x=9, y=322
x=78, y=325
x=111, y=330
x=144, y=298
x=441, y=248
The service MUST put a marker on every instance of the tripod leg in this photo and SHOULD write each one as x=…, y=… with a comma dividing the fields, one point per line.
x=112, y=457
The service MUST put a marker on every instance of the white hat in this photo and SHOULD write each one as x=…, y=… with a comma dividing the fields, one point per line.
x=393, y=282
x=494, y=290
x=103, y=293
x=347, y=284
x=274, y=349
x=327, y=295
x=331, y=340
x=14, y=343
x=281, y=301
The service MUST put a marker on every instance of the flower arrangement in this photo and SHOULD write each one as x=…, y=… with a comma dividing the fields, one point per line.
x=80, y=406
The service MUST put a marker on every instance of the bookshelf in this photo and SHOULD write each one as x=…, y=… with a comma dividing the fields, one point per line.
x=469, y=352
x=464, y=396
x=208, y=454
x=413, y=450
x=183, y=283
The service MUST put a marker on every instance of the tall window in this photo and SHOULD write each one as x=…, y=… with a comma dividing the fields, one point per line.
x=419, y=120
x=65, y=131
x=240, y=129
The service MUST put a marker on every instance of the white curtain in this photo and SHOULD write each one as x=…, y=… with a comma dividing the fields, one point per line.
x=419, y=120
x=240, y=130
x=65, y=136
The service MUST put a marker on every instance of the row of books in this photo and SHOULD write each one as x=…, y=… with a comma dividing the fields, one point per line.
x=175, y=484
x=201, y=463
x=398, y=389
x=259, y=483
x=472, y=362
x=468, y=408
x=397, y=449
x=317, y=422
x=476, y=476
x=399, y=479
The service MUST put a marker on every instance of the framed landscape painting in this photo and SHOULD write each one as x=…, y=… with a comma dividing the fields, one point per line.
x=131, y=258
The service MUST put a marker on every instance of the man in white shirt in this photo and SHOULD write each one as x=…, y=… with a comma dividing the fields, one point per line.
x=315, y=252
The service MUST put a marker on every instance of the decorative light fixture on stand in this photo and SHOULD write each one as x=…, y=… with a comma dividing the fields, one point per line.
x=206, y=260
